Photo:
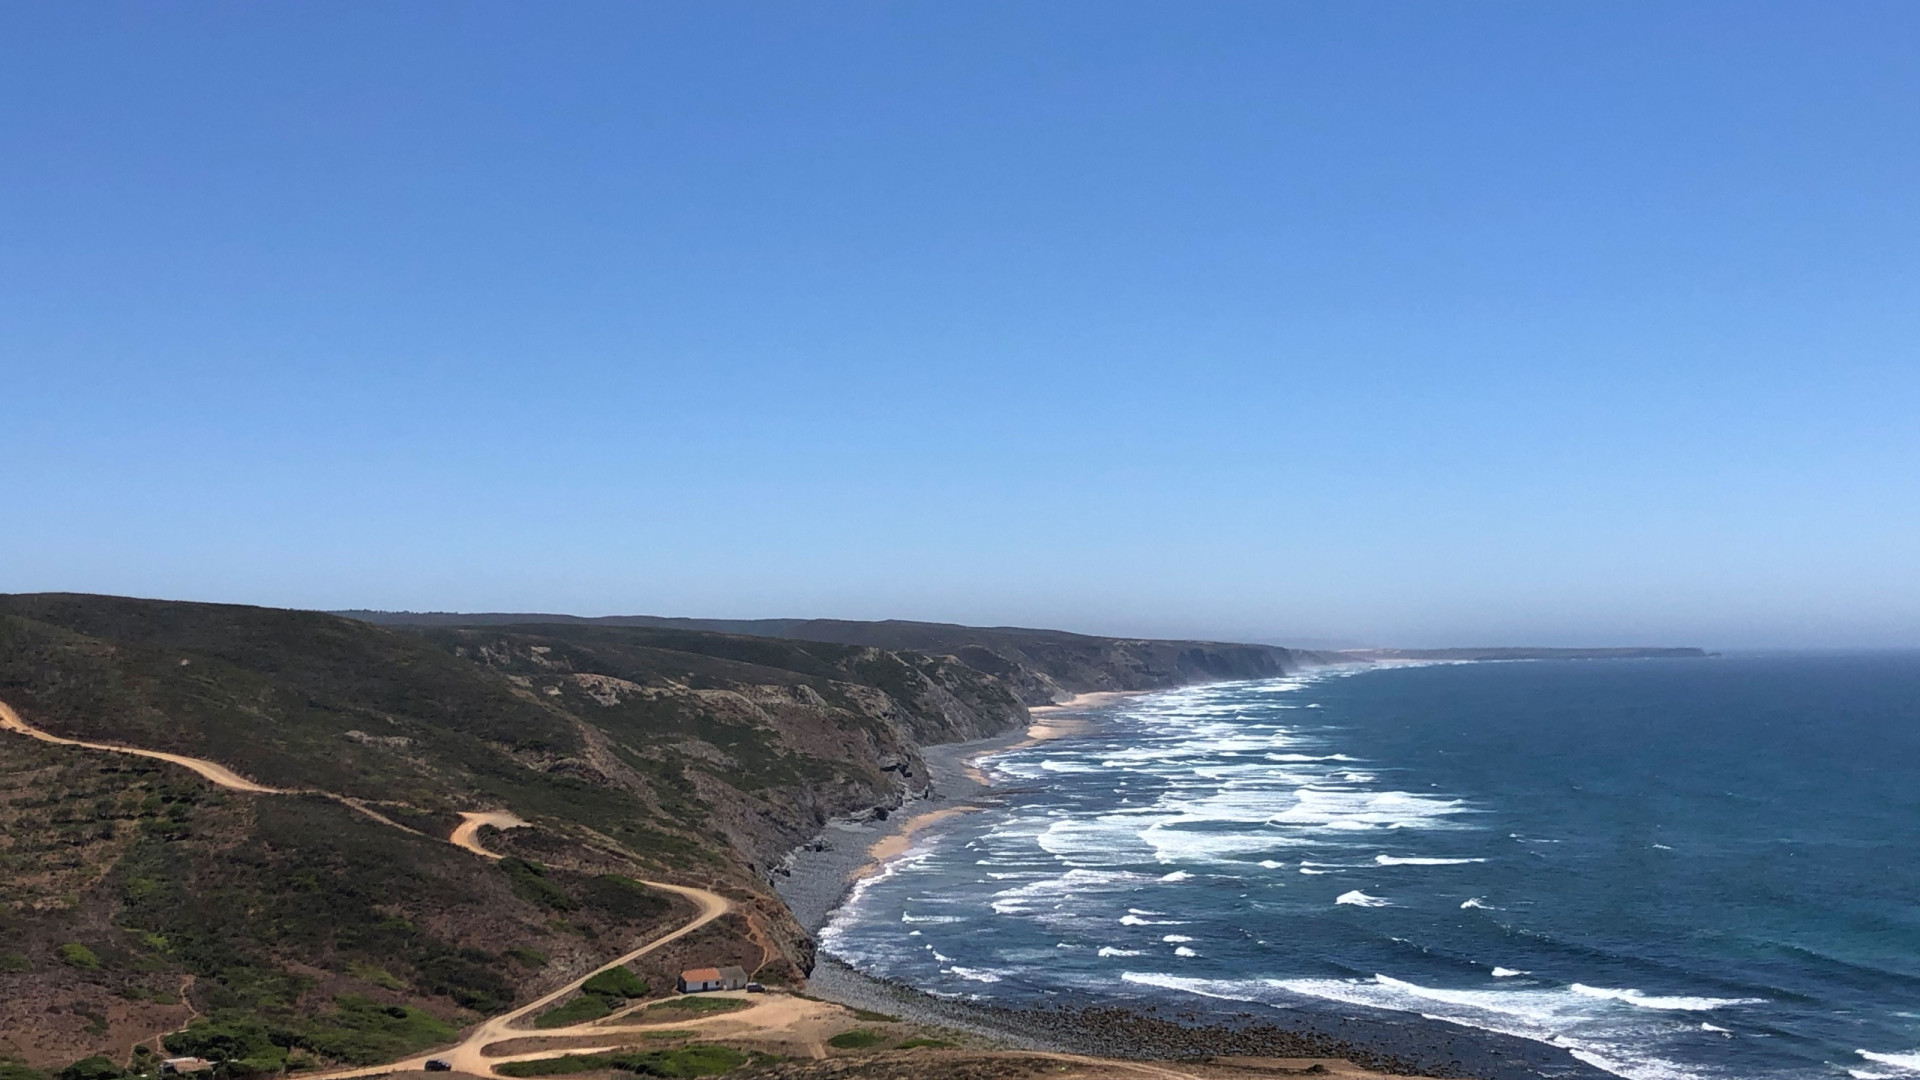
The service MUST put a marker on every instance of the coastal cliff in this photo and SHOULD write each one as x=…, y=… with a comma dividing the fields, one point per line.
x=1040, y=666
x=135, y=894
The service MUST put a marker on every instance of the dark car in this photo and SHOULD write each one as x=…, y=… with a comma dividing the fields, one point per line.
x=756, y=988
x=439, y=1065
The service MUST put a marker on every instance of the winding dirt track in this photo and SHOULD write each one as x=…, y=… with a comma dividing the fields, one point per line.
x=467, y=1055
x=801, y=1020
x=219, y=774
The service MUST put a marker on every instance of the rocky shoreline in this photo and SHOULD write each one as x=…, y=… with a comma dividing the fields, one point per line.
x=818, y=878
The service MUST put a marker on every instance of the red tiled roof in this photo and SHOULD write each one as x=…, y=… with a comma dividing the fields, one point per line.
x=694, y=975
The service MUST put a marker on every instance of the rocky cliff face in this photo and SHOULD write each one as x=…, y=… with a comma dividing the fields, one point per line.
x=763, y=741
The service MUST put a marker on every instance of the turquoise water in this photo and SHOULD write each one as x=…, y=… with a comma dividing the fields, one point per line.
x=1662, y=869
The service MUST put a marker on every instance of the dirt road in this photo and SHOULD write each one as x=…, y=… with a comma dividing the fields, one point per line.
x=466, y=1056
x=469, y=1056
x=804, y=1024
x=219, y=774
x=465, y=834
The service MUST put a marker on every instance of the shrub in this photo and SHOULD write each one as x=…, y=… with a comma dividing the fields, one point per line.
x=74, y=954
x=530, y=882
x=688, y=1061
x=222, y=1038
x=14, y=1069
x=359, y=1031
x=691, y=1004
x=931, y=1044
x=365, y=1032
x=578, y=1011
x=97, y=1067
x=616, y=982
x=378, y=976
x=626, y=898
x=526, y=957
x=857, y=1039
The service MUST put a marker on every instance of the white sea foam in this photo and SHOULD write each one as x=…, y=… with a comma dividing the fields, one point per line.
x=1591, y=1029
x=1909, y=1061
x=1272, y=864
x=1176, y=937
x=976, y=974
x=910, y=918
x=1108, y=950
x=1636, y=998
x=1396, y=860
x=1051, y=893
x=1177, y=875
x=832, y=935
x=1360, y=899
x=1475, y=902
x=1345, y=809
x=1184, y=951
x=1213, y=988
x=1311, y=870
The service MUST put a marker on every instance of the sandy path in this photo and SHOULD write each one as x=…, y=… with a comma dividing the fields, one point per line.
x=465, y=835
x=219, y=774
x=466, y=1056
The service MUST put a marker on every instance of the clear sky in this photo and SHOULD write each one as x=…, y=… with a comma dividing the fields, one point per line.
x=1398, y=323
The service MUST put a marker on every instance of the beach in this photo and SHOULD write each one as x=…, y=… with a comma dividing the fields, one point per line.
x=854, y=855
x=822, y=874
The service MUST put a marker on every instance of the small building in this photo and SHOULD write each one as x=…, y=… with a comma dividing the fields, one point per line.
x=182, y=1065
x=700, y=980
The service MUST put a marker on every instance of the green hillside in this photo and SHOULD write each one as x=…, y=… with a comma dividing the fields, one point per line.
x=1040, y=666
x=295, y=927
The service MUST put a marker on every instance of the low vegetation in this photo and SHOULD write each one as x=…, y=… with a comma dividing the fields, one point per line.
x=696, y=1060
x=127, y=884
x=357, y=1031
x=616, y=982
x=688, y=1005
x=857, y=1039
x=600, y=995
x=578, y=1010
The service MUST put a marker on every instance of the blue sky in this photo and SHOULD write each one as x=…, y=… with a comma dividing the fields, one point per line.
x=1399, y=323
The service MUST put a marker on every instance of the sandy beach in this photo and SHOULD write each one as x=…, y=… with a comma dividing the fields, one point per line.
x=822, y=875
x=1049, y=722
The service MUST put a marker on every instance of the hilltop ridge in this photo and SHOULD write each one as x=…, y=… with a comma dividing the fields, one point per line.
x=295, y=901
x=135, y=895
x=1040, y=666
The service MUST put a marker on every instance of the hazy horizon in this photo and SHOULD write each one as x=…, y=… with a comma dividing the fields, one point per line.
x=1389, y=323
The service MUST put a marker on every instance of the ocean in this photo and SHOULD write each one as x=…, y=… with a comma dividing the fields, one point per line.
x=1679, y=869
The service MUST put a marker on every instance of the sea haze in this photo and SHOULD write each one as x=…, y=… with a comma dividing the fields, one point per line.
x=1667, y=868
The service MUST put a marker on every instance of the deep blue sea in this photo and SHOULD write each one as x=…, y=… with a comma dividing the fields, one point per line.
x=1665, y=868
